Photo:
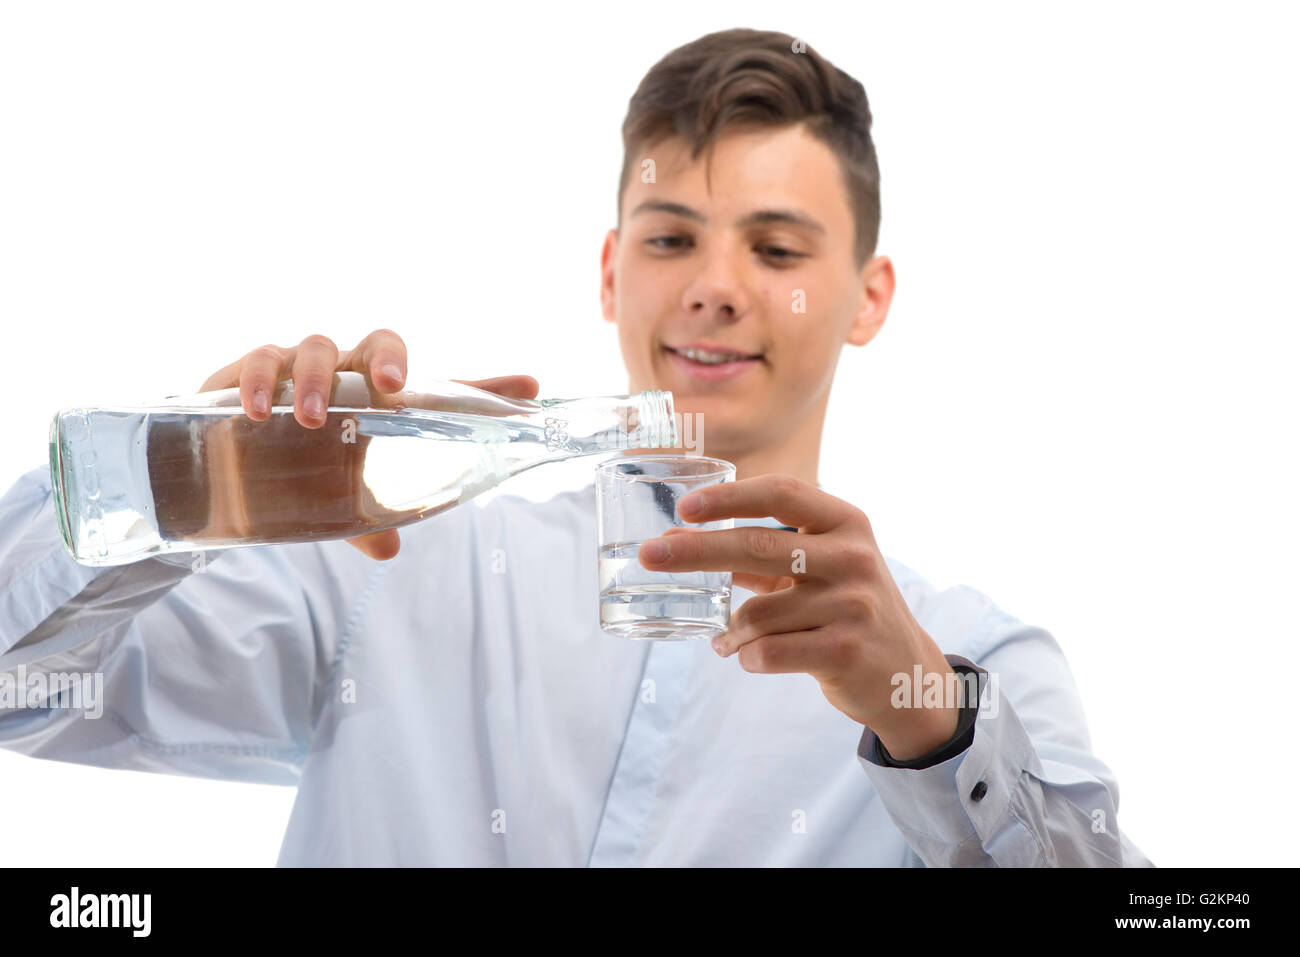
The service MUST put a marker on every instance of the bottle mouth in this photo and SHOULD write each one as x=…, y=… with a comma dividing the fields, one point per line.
x=658, y=426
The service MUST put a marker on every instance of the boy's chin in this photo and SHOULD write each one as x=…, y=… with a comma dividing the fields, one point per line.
x=701, y=431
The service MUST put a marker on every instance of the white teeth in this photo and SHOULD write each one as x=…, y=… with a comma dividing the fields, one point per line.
x=710, y=358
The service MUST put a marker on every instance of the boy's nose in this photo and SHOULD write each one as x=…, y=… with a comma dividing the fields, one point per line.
x=716, y=293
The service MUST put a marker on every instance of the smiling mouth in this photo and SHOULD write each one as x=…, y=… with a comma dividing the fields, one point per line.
x=710, y=357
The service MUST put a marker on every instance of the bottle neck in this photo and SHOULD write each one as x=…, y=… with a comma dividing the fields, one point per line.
x=609, y=424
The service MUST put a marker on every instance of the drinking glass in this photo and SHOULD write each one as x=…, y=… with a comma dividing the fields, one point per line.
x=636, y=500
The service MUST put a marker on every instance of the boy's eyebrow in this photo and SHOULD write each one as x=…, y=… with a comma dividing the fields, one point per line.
x=675, y=209
x=793, y=217
x=759, y=217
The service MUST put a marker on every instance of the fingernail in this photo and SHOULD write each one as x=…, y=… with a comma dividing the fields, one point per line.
x=656, y=550
x=392, y=370
x=261, y=404
x=717, y=645
x=692, y=505
x=313, y=406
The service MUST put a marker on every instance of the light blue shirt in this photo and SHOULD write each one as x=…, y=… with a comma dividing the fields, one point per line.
x=460, y=705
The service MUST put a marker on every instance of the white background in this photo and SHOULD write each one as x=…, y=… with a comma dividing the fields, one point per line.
x=1082, y=403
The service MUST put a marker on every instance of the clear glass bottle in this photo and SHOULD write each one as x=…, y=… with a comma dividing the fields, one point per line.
x=194, y=472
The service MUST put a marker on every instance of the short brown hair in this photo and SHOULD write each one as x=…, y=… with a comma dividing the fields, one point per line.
x=766, y=79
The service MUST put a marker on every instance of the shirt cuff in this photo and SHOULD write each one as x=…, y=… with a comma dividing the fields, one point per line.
x=959, y=811
x=960, y=740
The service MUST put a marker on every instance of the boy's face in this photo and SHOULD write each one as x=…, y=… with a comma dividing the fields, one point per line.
x=737, y=294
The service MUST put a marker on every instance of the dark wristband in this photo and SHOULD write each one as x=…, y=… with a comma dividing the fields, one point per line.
x=959, y=742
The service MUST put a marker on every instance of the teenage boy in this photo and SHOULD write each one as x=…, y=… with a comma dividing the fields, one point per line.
x=457, y=703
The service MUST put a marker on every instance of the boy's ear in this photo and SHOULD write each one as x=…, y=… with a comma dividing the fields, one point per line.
x=873, y=307
x=607, y=255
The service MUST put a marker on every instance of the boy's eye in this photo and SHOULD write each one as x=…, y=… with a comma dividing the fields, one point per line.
x=667, y=242
x=779, y=253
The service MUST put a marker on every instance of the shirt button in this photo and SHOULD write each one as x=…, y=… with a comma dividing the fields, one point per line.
x=978, y=791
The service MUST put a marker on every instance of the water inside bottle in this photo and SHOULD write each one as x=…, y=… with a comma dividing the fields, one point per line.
x=133, y=483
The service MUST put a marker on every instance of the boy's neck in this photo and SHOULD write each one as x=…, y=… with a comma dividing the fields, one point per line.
x=797, y=454
x=790, y=458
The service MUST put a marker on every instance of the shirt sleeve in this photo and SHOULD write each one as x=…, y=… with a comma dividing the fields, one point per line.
x=210, y=664
x=1025, y=790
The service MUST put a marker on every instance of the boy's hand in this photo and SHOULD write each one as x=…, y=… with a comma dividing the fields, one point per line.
x=825, y=602
x=380, y=356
